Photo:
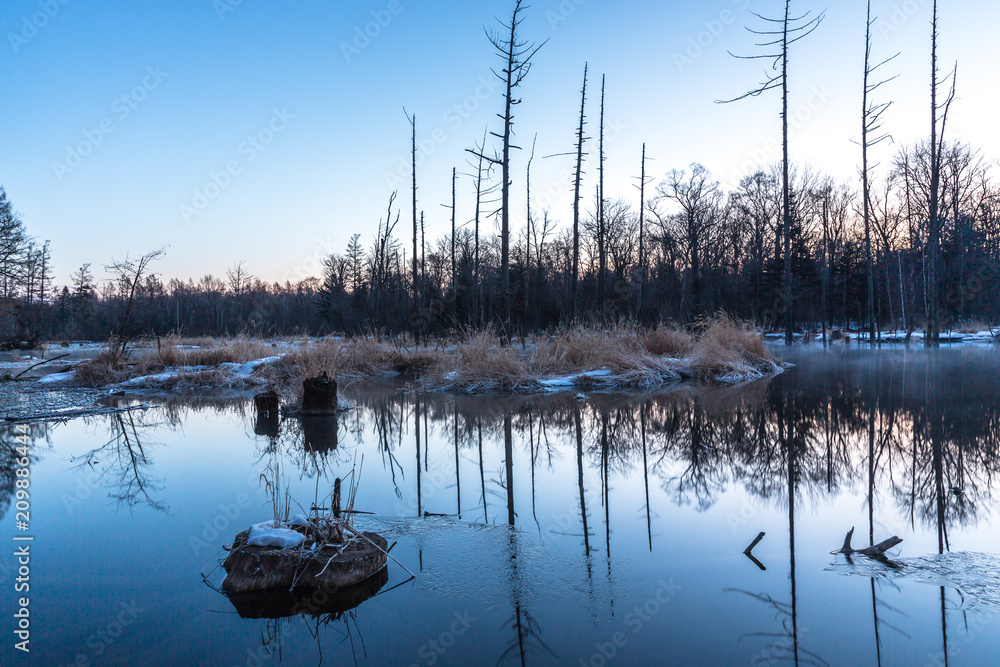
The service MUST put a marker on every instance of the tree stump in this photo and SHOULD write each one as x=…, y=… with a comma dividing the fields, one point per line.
x=267, y=406
x=319, y=396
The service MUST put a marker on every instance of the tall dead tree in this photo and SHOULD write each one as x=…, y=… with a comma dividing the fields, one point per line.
x=527, y=240
x=871, y=126
x=454, y=270
x=580, y=139
x=642, y=235
x=516, y=55
x=791, y=30
x=933, y=204
x=602, y=245
x=416, y=293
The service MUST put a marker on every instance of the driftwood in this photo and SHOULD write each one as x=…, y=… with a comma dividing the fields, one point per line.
x=748, y=552
x=876, y=551
x=40, y=363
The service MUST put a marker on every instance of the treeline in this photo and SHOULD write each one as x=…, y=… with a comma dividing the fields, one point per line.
x=700, y=249
x=704, y=250
x=134, y=300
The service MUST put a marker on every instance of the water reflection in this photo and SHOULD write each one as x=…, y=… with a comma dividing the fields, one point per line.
x=564, y=512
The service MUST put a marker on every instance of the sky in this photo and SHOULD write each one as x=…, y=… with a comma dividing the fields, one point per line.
x=269, y=133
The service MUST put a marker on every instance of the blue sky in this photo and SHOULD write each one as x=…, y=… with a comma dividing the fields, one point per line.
x=270, y=132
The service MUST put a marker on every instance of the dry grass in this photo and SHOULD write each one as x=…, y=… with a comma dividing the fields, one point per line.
x=111, y=367
x=668, y=341
x=974, y=327
x=622, y=357
x=347, y=359
x=731, y=351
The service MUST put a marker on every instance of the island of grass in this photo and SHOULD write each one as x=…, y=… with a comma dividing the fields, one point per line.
x=619, y=357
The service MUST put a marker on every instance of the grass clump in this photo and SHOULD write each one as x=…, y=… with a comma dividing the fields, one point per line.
x=731, y=351
x=974, y=327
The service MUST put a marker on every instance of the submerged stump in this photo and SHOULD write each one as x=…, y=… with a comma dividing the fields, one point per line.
x=267, y=406
x=319, y=396
x=332, y=567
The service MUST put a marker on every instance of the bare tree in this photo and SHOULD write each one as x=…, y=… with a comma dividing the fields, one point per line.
x=698, y=198
x=527, y=235
x=517, y=55
x=871, y=126
x=416, y=292
x=127, y=277
x=936, y=145
x=580, y=139
x=792, y=29
x=602, y=241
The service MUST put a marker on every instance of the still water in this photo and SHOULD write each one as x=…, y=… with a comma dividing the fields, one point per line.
x=597, y=530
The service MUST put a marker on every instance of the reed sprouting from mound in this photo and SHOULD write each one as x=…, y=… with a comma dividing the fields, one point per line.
x=621, y=356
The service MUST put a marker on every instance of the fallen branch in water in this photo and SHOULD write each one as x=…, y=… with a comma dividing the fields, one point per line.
x=748, y=552
x=72, y=414
x=40, y=363
x=876, y=551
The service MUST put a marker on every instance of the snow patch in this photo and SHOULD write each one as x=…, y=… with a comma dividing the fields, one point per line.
x=573, y=380
x=55, y=378
x=266, y=535
x=247, y=369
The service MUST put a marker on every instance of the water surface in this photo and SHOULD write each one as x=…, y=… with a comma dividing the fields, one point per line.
x=595, y=530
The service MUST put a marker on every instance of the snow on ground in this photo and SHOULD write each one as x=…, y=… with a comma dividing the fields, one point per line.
x=56, y=378
x=247, y=369
x=237, y=374
x=892, y=337
x=266, y=535
x=160, y=378
x=565, y=381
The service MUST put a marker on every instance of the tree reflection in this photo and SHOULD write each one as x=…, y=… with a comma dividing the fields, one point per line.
x=124, y=463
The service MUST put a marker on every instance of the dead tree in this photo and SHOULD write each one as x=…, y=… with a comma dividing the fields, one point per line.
x=128, y=276
x=792, y=29
x=527, y=240
x=602, y=264
x=416, y=293
x=871, y=124
x=642, y=235
x=933, y=204
x=517, y=56
x=454, y=272
x=580, y=139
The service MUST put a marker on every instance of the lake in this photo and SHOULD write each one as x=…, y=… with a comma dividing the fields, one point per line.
x=548, y=529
